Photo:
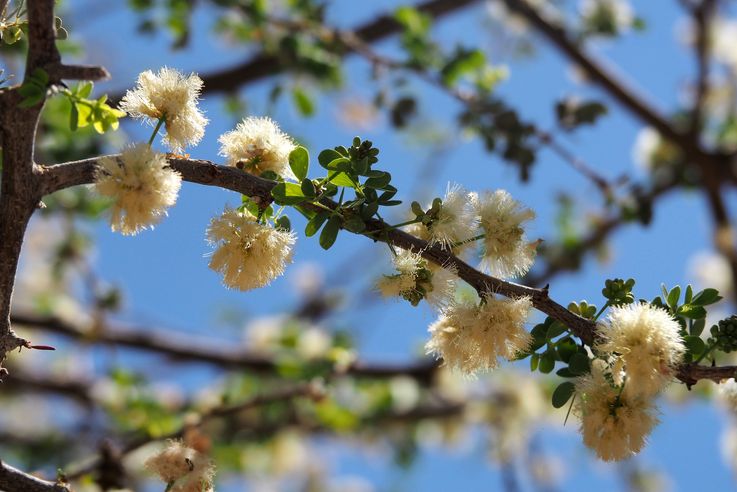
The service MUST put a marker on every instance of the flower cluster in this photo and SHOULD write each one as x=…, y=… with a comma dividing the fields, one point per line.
x=639, y=349
x=258, y=145
x=141, y=186
x=182, y=468
x=495, y=218
x=248, y=254
x=615, y=424
x=171, y=96
x=417, y=279
x=472, y=337
x=506, y=253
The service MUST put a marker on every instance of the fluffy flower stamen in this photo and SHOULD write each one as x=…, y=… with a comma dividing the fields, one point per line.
x=141, y=185
x=173, y=96
x=258, y=145
x=248, y=254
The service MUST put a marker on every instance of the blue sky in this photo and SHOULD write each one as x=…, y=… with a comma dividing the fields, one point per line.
x=167, y=282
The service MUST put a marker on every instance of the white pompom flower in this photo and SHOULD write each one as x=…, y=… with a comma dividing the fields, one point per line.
x=141, y=185
x=452, y=224
x=614, y=424
x=505, y=249
x=171, y=95
x=643, y=341
x=472, y=337
x=258, y=145
x=417, y=279
x=183, y=469
x=248, y=254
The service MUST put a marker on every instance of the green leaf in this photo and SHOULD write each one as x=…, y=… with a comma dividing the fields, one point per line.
x=342, y=179
x=315, y=223
x=563, y=393
x=689, y=294
x=308, y=188
x=579, y=364
x=556, y=329
x=303, y=102
x=327, y=156
x=697, y=327
x=299, y=161
x=378, y=181
x=564, y=372
x=695, y=345
x=534, y=361
x=566, y=348
x=706, y=297
x=330, y=232
x=287, y=194
x=74, y=118
x=84, y=89
x=547, y=363
x=284, y=223
x=673, y=296
x=355, y=224
x=692, y=311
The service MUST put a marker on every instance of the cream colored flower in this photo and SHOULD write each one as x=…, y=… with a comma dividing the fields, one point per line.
x=506, y=252
x=728, y=396
x=417, y=279
x=257, y=145
x=248, y=254
x=185, y=468
x=171, y=95
x=472, y=337
x=614, y=424
x=141, y=185
x=644, y=341
x=453, y=223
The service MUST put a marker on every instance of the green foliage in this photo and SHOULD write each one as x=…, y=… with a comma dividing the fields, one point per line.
x=84, y=111
x=348, y=168
x=34, y=88
x=724, y=335
x=572, y=113
x=618, y=291
x=691, y=316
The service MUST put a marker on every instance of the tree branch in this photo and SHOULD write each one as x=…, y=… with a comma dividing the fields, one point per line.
x=208, y=173
x=263, y=65
x=178, y=347
x=12, y=479
x=20, y=190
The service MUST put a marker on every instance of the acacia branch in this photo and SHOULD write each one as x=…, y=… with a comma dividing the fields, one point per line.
x=14, y=479
x=210, y=174
x=264, y=65
x=20, y=190
x=178, y=347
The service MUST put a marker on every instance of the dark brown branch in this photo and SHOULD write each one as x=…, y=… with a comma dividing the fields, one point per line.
x=60, y=71
x=702, y=15
x=48, y=383
x=179, y=347
x=263, y=65
x=20, y=190
x=207, y=173
x=279, y=395
x=595, y=238
x=613, y=85
x=12, y=479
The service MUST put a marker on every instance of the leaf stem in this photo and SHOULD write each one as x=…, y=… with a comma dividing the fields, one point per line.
x=708, y=350
x=156, y=130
